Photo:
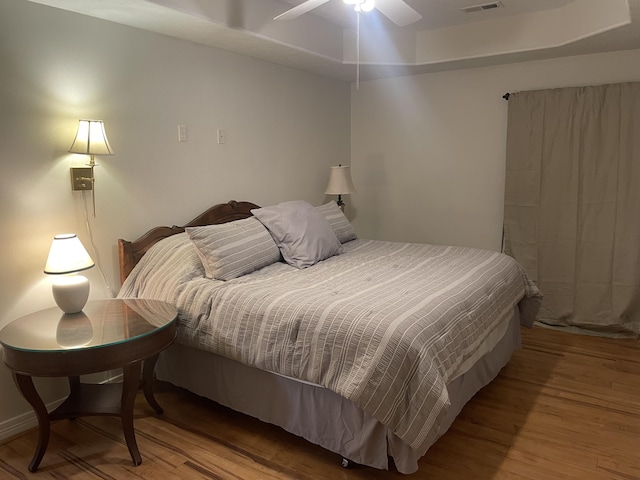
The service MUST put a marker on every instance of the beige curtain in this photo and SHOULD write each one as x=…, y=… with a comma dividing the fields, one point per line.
x=572, y=202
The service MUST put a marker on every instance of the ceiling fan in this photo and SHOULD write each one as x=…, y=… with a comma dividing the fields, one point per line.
x=396, y=10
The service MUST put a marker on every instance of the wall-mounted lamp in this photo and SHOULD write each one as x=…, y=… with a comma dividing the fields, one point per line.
x=91, y=139
x=67, y=256
x=340, y=183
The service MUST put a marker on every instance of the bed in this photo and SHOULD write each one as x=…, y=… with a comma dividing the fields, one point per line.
x=370, y=352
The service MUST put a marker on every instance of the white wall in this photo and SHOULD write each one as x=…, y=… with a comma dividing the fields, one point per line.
x=284, y=128
x=428, y=151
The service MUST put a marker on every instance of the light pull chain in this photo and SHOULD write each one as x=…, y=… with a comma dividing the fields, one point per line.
x=357, y=49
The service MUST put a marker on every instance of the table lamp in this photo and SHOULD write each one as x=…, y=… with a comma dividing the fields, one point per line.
x=68, y=256
x=340, y=183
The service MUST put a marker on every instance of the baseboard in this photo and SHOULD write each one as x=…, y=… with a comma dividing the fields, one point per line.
x=24, y=422
x=17, y=425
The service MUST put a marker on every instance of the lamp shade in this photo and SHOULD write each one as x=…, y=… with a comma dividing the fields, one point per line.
x=91, y=139
x=340, y=182
x=67, y=255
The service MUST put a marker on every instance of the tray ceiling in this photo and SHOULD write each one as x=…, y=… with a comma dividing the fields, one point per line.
x=323, y=40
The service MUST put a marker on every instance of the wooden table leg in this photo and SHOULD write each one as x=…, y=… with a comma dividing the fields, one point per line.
x=74, y=383
x=147, y=383
x=129, y=388
x=28, y=390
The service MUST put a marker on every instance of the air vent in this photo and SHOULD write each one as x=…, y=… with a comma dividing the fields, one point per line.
x=484, y=6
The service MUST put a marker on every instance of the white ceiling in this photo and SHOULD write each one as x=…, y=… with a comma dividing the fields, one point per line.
x=438, y=13
x=323, y=40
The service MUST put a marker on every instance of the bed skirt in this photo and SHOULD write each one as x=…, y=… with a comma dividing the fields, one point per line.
x=316, y=413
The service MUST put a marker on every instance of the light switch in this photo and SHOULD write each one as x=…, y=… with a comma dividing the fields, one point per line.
x=182, y=133
x=221, y=136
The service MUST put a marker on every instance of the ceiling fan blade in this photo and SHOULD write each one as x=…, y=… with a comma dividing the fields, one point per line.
x=398, y=12
x=300, y=9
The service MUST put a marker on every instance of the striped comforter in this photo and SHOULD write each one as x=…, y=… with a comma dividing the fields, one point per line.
x=385, y=325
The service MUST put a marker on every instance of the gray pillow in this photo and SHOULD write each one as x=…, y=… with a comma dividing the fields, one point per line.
x=232, y=249
x=302, y=234
x=340, y=224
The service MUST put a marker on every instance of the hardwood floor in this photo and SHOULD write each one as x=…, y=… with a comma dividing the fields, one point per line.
x=565, y=407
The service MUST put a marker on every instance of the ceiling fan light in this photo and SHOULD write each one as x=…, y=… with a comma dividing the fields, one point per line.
x=367, y=5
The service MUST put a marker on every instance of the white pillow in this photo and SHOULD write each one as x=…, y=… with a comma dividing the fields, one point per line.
x=163, y=269
x=232, y=249
x=302, y=234
x=340, y=224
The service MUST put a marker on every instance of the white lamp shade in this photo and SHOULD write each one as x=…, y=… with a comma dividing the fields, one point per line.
x=67, y=255
x=91, y=139
x=340, y=182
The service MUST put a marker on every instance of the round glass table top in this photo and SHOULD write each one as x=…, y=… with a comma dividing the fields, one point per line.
x=100, y=323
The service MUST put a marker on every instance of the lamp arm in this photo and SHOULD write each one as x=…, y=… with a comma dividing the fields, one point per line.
x=92, y=165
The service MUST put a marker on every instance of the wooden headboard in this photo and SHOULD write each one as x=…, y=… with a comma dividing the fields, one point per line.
x=130, y=253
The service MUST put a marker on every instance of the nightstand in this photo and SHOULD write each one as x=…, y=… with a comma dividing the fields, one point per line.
x=106, y=335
